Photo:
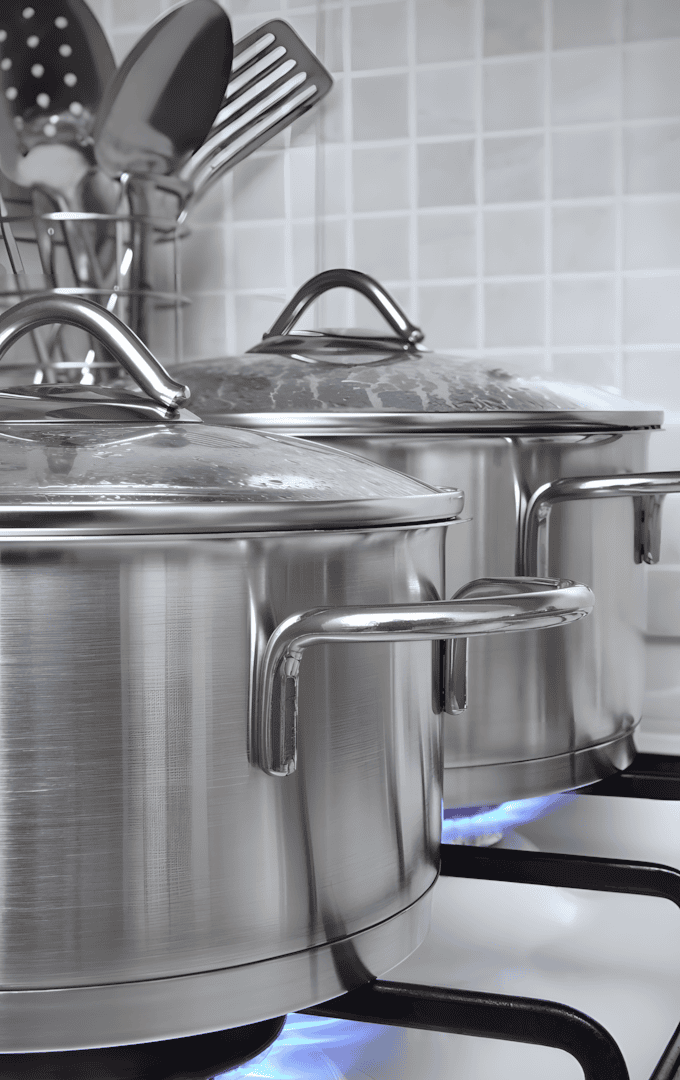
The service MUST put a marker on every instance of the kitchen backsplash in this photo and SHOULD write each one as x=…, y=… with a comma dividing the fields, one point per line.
x=510, y=169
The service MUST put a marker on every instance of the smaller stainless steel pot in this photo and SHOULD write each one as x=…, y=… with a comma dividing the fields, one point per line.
x=220, y=700
x=546, y=712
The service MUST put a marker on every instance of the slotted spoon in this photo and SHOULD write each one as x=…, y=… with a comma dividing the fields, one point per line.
x=55, y=62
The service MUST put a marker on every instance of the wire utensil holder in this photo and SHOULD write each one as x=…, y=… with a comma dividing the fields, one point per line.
x=127, y=261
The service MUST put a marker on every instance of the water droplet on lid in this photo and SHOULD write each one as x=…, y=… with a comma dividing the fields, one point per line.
x=11, y=93
x=3, y=35
x=76, y=108
x=49, y=130
x=70, y=79
x=43, y=100
x=60, y=22
x=65, y=50
x=37, y=71
x=6, y=64
x=28, y=12
x=54, y=119
x=18, y=123
x=33, y=41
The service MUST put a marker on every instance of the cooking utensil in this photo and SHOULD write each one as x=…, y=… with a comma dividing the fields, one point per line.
x=17, y=267
x=56, y=62
x=162, y=101
x=275, y=79
x=544, y=715
x=186, y=611
x=159, y=108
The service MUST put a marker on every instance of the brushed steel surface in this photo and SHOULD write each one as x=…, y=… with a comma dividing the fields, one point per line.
x=137, y=842
x=142, y=1011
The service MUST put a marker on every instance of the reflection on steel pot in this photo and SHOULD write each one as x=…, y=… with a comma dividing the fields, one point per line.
x=219, y=708
x=546, y=712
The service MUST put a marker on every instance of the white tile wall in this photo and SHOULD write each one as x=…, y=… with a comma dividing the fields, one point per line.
x=511, y=168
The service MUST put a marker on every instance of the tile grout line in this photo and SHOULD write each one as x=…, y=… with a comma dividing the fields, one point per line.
x=480, y=313
x=320, y=169
x=547, y=180
x=349, y=146
x=618, y=212
x=414, y=269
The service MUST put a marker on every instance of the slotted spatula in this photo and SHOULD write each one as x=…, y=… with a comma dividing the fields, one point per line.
x=275, y=78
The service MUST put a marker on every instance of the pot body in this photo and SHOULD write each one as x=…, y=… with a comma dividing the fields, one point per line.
x=546, y=712
x=154, y=882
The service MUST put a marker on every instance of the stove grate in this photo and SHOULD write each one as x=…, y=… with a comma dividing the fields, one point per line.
x=532, y=1020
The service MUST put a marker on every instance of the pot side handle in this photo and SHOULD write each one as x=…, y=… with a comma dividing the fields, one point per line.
x=349, y=279
x=128, y=349
x=518, y=604
x=647, y=489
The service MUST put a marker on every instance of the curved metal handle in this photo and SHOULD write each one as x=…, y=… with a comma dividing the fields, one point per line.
x=527, y=605
x=127, y=348
x=455, y=652
x=350, y=279
x=648, y=490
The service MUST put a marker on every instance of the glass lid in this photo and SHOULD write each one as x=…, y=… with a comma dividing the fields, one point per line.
x=357, y=381
x=94, y=460
x=186, y=477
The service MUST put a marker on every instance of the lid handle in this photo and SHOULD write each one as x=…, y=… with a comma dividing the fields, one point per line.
x=349, y=279
x=127, y=348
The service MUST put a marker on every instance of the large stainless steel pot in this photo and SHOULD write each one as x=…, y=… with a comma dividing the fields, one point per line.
x=220, y=683
x=549, y=712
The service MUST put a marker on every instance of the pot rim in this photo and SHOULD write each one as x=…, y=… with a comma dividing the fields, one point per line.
x=161, y=517
x=473, y=423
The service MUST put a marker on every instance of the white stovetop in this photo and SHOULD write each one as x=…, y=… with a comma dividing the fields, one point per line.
x=614, y=957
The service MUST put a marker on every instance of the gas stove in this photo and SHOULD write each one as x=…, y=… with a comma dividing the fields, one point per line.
x=523, y=975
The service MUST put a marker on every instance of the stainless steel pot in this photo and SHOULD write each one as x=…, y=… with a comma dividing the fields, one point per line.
x=546, y=712
x=220, y=682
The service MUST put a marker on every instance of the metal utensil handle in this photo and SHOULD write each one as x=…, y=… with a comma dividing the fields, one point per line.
x=349, y=279
x=648, y=490
x=127, y=348
x=527, y=605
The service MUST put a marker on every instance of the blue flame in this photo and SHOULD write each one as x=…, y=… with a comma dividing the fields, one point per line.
x=470, y=822
x=314, y=1048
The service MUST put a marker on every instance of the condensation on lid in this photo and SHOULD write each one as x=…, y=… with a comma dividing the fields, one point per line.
x=222, y=477
x=407, y=383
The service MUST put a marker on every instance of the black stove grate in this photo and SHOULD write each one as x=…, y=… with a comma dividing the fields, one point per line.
x=650, y=776
x=532, y=1020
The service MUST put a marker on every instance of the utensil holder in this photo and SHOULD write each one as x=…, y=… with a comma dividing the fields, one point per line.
x=128, y=261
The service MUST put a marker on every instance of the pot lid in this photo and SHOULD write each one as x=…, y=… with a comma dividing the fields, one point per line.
x=83, y=460
x=362, y=381
x=188, y=477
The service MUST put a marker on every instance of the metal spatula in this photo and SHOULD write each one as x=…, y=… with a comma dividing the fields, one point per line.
x=274, y=79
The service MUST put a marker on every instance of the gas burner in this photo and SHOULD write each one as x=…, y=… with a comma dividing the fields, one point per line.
x=490, y=826
x=196, y=1057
